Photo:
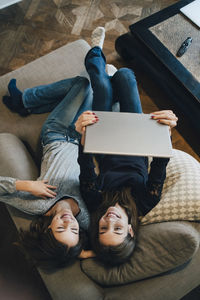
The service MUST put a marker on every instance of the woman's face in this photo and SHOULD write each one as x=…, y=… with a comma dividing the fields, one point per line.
x=65, y=228
x=113, y=226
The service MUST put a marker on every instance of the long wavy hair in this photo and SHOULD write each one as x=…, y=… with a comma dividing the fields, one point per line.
x=115, y=255
x=40, y=246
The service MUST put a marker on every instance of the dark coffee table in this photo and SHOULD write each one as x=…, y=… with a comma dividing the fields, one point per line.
x=152, y=44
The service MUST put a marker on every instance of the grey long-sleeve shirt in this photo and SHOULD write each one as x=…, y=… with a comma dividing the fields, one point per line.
x=59, y=166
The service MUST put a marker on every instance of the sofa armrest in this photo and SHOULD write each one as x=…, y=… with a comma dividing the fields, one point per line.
x=15, y=160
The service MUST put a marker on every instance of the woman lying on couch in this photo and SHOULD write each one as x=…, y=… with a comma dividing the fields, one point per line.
x=123, y=189
x=54, y=238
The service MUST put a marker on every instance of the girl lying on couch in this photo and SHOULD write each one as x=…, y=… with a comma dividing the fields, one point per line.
x=123, y=189
x=56, y=237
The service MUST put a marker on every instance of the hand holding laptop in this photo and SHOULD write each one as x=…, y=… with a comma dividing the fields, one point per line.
x=166, y=117
x=127, y=133
x=86, y=118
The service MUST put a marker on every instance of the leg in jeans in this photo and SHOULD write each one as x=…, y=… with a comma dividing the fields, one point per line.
x=125, y=91
x=122, y=87
x=95, y=63
x=59, y=125
x=45, y=98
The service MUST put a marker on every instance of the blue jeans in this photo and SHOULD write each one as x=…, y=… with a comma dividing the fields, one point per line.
x=66, y=100
x=121, y=87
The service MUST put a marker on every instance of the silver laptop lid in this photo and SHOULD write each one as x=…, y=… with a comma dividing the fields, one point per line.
x=128, y=134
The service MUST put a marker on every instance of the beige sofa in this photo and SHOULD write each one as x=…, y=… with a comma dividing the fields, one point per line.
x=167, y=258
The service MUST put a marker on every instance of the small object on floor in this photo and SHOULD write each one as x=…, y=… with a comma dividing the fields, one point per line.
x=184, y=47
x=97, y=37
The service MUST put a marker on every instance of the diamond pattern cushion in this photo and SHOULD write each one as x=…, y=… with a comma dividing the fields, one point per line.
x=181, y=192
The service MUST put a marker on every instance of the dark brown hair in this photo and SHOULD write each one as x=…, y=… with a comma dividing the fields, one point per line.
x=40, y=245
x=115, y=255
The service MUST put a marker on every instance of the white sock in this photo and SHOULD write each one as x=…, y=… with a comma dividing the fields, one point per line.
x=110, y=69
x=97, y=37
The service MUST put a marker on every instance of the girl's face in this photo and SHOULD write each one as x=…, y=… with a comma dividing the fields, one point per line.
x=114, y=227
x=65, y=228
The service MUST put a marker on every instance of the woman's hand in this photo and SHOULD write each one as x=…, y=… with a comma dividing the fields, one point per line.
x=85, y=119
x=37, y=188
x=166, y=117
x=86, y=254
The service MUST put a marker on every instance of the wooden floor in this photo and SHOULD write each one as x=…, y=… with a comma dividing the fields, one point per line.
x=33, y=28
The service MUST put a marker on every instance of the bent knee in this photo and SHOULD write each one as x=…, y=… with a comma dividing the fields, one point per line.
x=125, y=73
x=82, y=80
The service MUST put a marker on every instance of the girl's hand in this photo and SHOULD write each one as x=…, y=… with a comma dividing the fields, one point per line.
x=85, y=119
x=86, y=254
x=166, y=117
x=37, y=188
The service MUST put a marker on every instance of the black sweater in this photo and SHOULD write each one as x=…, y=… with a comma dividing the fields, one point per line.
x=117, y=171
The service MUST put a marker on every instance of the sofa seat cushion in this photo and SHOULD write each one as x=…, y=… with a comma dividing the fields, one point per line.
x=64, y=62
x=160, y=248
x=181, y=191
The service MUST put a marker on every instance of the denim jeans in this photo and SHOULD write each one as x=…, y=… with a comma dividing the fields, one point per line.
x=121, y=87
x=66, y=100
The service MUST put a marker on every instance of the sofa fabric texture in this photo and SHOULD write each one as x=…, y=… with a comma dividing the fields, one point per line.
x=19, y=158
x=181, y=191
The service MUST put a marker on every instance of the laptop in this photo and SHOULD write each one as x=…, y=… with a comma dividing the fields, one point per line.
x=192, y=11
x=128, y=134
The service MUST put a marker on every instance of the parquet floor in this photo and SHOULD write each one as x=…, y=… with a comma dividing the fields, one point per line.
x=33, y=28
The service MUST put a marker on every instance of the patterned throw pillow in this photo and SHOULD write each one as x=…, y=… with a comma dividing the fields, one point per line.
x=181, y=191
